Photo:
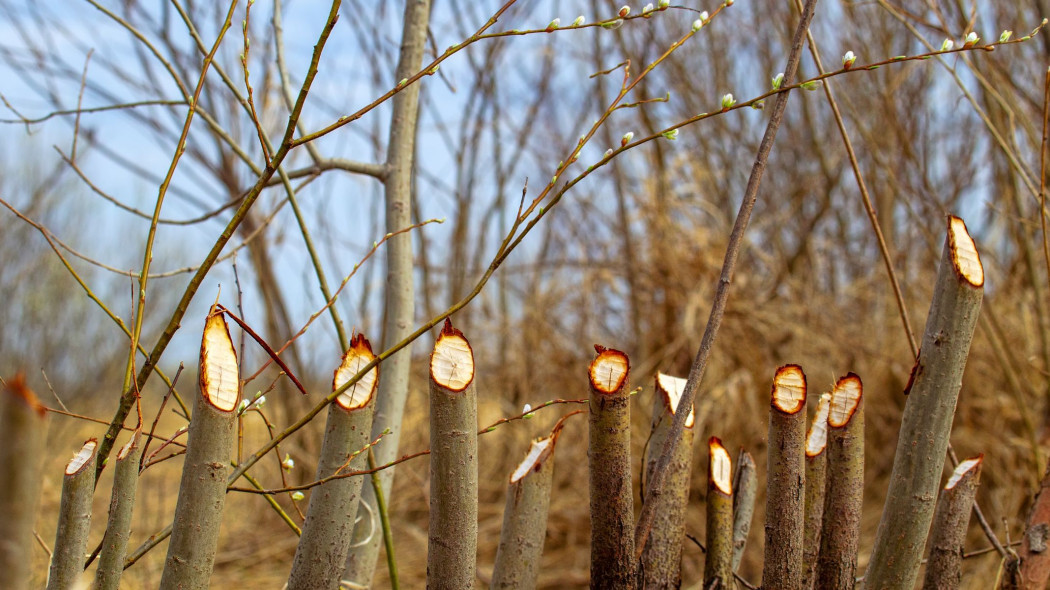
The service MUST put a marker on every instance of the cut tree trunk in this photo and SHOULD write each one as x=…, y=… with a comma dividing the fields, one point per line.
x=525, y=518
x=927, y=422
x=816, y=483
x=944, y=568
x=202, y=491
x=321, y=554
x=837, y=566
x=745, y=489
x=74, y=520
x=609, y=460
x=785, y=490
x=453, y=534
x=718, y=567
x=121, y=508
x=662, y=558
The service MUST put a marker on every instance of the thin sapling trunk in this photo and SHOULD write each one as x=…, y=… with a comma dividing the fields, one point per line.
x=74, y=519
x=718, y=567
x=944, y=568
x=745, y=489
x=837, y=566
x=453, y=534
x=321, y=554
x=525, y=518
x=202, y=491
x=121, y=508
x=927, y=421
x=609, y=460
x=785, y=490
x=816, y=466
x=662, y=557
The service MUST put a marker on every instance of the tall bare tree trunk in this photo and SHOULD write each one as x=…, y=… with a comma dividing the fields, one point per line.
x=399, y=298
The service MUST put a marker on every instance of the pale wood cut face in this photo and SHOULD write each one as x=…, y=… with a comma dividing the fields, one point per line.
x=967, y=259
x=789, y=389
x=220, y=376
x=844, y=400
x=818, y=431
x=962, y=469
x=721, y=467
x=452, y=363
x=359, y=394
x=609, y=371
x=672, y=389
x=536, y=453
x=82, y=457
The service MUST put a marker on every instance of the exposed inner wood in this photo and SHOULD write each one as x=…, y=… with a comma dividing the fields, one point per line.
x=220, y=377
x=359, y=394
x=609, y=370
x=961, y=469
x=124, y=450
x=818, y=431
x=672, y=388
x=721, y=468
x=452, y=362
x=537, y=452
x=82, y=457
x=789, y=389
x=967, y=260
x=844, y=400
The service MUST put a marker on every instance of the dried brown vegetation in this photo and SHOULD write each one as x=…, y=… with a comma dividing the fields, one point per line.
x=630, y=256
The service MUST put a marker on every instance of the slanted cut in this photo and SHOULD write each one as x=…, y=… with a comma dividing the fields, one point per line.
x=452, y=362
x=608, y=370
x=359, y=394
x=219, y=374
x=817, y=440
x=537, y=452
x=82, y=457
x=672, y=388
x=124, y=450
x=964, y=252
x=721, y=467
x=962, y=469
x=789, y=389
x=844, y=400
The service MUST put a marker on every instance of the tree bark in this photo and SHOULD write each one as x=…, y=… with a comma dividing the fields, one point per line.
x=453, y=534
x=785, y=490
x=74, y=520
x=399, y=302
x=934, y=392
x=609, y=459
x=944, y=568
x=325, y=541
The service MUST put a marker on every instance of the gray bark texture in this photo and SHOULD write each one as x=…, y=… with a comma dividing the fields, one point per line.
x=325, y=541
x=843, y=499
x=613, y=562
x=718, y=564
x=662, y=556
x=74, y=523
x=524, y=527
x=745, y=490
x=944, y=567
x=452, y=546
x=202, y=496
x=926, y=425
x=399, y=311
x=121, y=508
x=785, y=493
